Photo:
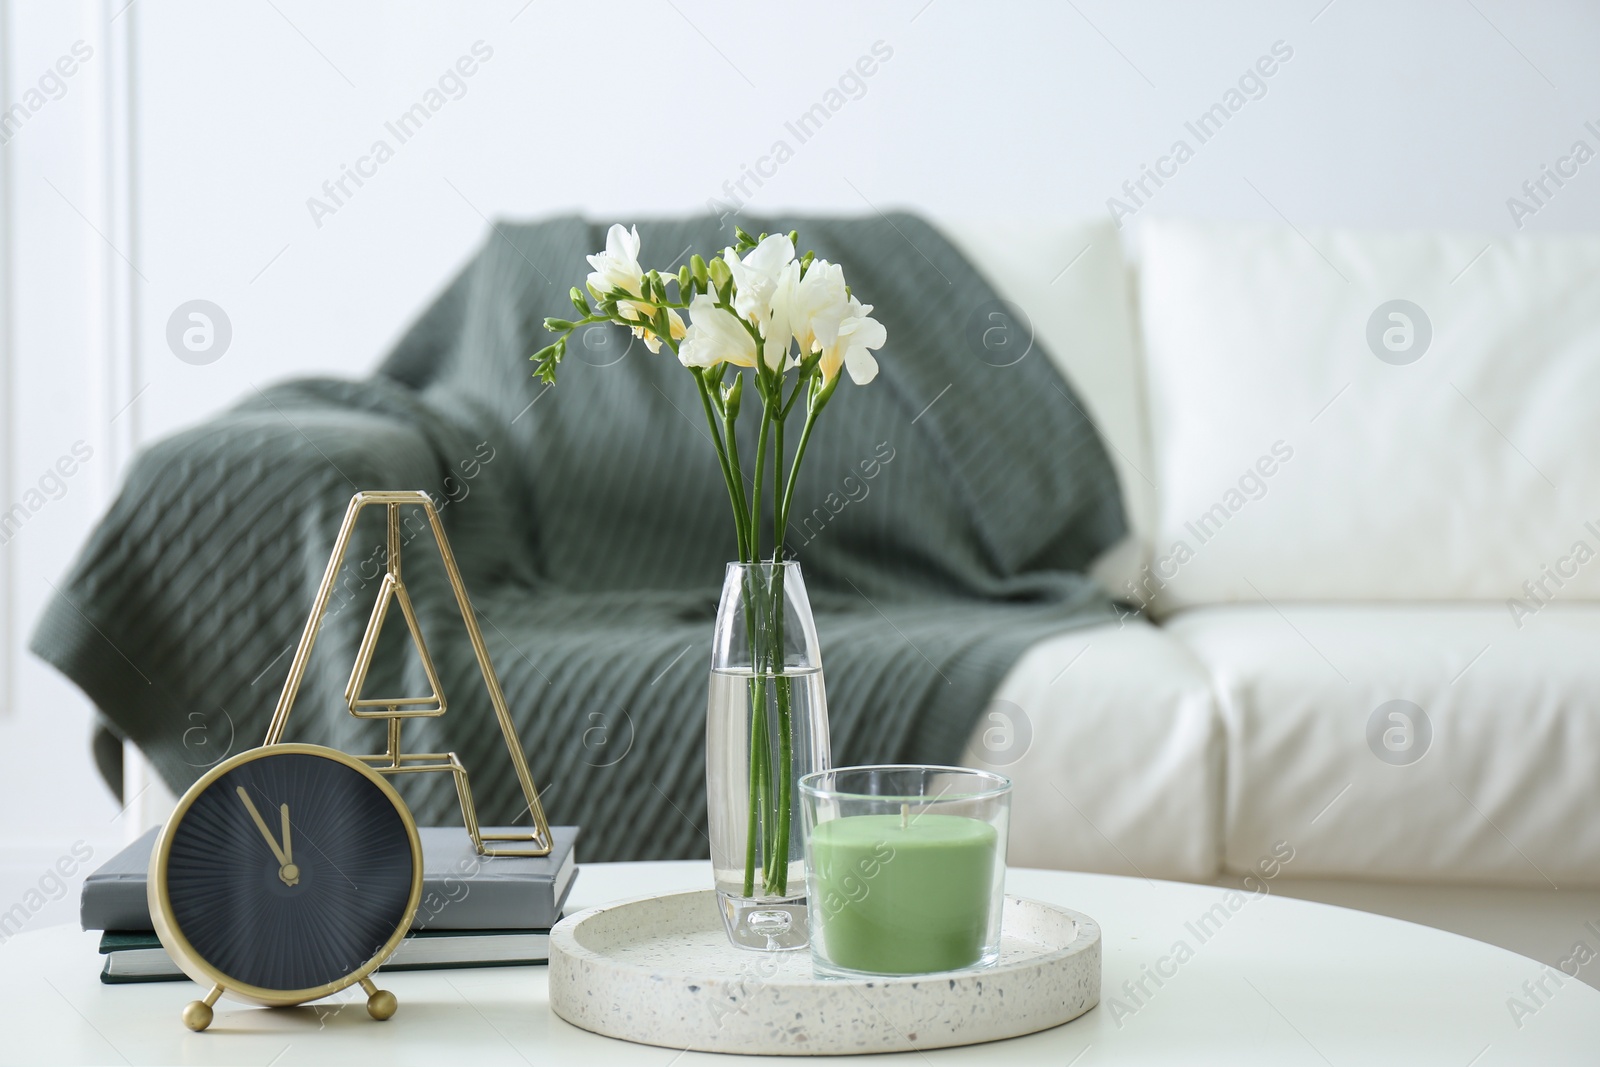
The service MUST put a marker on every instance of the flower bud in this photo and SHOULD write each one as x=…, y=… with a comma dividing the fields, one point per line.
x=697, y=268
x=822, y=391
x=731, y=395
x=685, y=280
x=579, y=301
x=720, y=274
x=558, y=325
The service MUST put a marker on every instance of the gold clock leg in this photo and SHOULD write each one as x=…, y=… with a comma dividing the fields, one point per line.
x=380, y=1002
x=197, y=1013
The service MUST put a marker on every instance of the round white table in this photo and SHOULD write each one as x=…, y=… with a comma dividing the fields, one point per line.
x=1192, y=976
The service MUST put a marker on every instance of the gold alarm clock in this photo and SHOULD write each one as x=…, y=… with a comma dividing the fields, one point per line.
x=285, y=874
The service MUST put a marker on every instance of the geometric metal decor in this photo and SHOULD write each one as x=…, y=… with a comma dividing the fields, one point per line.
x=394, y=760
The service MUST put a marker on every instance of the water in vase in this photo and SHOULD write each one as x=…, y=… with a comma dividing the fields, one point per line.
x=763, y=731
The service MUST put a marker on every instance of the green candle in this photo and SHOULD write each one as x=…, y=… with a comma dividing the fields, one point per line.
x=903, y=894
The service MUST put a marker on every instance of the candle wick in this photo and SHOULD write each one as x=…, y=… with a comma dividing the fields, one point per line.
x=905, y=812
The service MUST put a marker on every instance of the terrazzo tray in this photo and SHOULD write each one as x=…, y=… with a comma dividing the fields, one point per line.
x=660, y=971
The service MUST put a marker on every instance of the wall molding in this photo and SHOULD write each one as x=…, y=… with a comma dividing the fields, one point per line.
x=143, y=791
x=8, y=420
x=118, y=300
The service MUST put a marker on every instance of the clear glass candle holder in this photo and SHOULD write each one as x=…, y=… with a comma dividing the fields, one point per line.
x=905, y=868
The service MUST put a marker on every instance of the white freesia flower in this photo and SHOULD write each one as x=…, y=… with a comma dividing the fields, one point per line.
x=618, y=268
x=810, y=309
x=858, y=332
x=715, y=336
x=755, y=277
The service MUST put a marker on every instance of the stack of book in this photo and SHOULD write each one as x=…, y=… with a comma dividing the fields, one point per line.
x=476, y=911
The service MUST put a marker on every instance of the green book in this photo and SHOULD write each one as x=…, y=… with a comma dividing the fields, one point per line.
x=137, y=955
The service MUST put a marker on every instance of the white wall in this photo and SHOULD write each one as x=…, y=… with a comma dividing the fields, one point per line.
x=233, y=115
x=64, y=314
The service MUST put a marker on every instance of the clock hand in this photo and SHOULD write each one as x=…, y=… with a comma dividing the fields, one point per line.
x=287, y=871
x=288, y=850
x=261, y=824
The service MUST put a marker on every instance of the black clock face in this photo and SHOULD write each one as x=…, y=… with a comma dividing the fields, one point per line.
x=290, y=901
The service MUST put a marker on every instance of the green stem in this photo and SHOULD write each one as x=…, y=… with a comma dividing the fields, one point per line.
x=778, y=856
x=747, y=547
x=759, y=834
x=730, y=473
x=679, y=305
x=760, y=768
x=733, y=474
x=778, y=878
x=777, y=492
x=783, y=501
x=761, y=463
x=781, y=519
x=758, y=780
x=778, y=841
x=801, y=385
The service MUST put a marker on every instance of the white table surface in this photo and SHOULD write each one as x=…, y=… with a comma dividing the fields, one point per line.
x=1279, y=981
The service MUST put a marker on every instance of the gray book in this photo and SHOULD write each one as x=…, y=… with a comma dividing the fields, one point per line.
x=461, y=890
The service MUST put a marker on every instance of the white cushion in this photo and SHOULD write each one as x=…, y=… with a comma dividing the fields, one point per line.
x=1506, y=790
x=1112, y=740
x=1072, y=283
x=1461, y=475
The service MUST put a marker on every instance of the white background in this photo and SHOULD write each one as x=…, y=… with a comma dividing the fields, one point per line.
x=178, y=162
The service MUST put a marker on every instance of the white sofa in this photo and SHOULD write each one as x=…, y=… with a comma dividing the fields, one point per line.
x=1365, y=563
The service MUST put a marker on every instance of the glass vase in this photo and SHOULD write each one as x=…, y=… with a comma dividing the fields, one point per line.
x=766, y=727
